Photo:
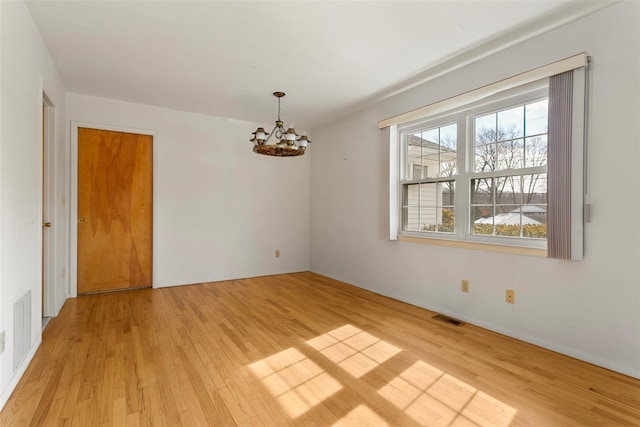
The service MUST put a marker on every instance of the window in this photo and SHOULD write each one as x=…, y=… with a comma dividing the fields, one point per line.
x=480, y=173
x=501, y=189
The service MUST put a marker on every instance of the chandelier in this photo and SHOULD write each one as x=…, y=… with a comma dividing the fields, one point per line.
x=287, y=142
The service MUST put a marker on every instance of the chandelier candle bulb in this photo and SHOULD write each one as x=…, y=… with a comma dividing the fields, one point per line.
x=291, y=134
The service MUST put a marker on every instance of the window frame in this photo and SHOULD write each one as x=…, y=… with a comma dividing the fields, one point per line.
x=464, y=117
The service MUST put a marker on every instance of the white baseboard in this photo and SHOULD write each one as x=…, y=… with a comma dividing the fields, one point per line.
x=17, y=375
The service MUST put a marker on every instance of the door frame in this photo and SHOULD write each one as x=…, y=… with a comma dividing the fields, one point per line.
x=73, y=228
x=48, y=172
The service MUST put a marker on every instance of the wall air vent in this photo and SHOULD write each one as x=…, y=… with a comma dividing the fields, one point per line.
x=21, y=329
x=447, y=319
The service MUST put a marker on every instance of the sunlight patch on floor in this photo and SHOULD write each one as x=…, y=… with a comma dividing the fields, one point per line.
x=354, y=350
x=296, y=382
x=426, y=393
x=422, y=392
x=362, y=415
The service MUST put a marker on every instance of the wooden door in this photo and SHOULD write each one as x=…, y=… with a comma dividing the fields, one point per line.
x=115, y=182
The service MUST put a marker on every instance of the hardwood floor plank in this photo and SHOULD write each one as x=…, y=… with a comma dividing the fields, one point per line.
x=298, y=350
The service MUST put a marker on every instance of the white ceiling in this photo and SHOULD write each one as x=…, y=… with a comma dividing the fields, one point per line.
x=226, y=58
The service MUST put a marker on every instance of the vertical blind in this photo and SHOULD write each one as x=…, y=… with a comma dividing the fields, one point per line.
x=566, y=184
x=559, y=166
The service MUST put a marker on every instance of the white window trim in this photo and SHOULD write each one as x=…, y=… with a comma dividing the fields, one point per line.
x=489, y=247
x=473, y=96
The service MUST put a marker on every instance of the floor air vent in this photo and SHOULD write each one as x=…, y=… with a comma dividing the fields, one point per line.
x=447, y=319
x=21, y=329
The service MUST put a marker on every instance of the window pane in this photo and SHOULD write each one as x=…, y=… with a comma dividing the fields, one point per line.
x=449, y=137
x=507, y=220
x=520, y=208
x=434, y=151
x=504, y=212
x=429, y=207
x=482, y=191
x=485, y=158
x=534, y=231
x=432, y=161
x=511, y=123
x=536, y=151
x=508, y=190
x=508, y=223
x=410, y=208
x=446, y=223
x=411, y=218
x=431, y=137
x=537, y=117
x=429, y=222
x=418, y=172
x=448, y=150
x=447, y=164
x=482, y=220
x=485, y=129
x=510, y=154
x=411, y=195
x=413, y=154
x=483, y=214
x=534, y=221
x=428, y=194
x=535, y=189
x=448, y=194
x=417, y=149
x=439, y=220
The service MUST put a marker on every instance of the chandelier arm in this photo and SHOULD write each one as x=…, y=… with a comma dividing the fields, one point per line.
x=271, y=134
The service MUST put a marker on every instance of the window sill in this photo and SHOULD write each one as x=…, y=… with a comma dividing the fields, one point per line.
x=516, y=250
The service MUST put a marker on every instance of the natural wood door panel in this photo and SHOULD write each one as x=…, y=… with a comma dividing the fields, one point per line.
x=115, y=183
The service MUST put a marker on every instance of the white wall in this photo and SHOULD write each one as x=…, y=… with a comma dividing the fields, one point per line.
x=220, y=210
x=588, y=309
x=26, y=71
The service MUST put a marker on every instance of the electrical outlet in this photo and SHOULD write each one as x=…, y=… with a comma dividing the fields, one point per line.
x=511, y=296
x=1, y=342
x=277, y=253
x=465, y=286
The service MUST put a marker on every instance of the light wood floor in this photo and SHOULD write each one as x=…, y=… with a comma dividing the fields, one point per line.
x=300, y=350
